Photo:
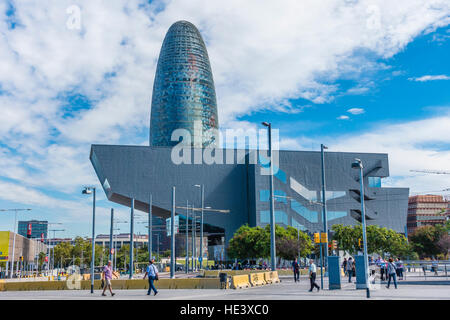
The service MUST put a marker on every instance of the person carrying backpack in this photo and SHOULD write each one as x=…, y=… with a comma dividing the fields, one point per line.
x=152, y=273
x=391, y=271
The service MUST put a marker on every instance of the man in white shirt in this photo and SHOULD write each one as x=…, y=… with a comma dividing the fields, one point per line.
x=312, y=275
x=152, y=273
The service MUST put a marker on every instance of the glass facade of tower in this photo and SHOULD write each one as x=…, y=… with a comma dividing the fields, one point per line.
x=183, y=90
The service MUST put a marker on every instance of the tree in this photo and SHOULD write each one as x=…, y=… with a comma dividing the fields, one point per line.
x=425, y=240
x=254, y=242
x=379, y=240
x=290, y=241
x=444, y=245
x=249, y=242
x=63, y=253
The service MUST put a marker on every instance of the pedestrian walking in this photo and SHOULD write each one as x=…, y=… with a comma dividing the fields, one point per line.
x=152, y=273
x=350, y=264
x=392, y=273
x=434, y=267
x=106, y=277
x=312, y=275
x=296, y=269
x=399, y=266
x=382, y=264
x=344, y=266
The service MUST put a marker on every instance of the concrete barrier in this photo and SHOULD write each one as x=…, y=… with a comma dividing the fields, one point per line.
x=256, y=279
x=268, y=277
x=211, y=273
x=274, y=277
x=240, y=281
x=191, y=283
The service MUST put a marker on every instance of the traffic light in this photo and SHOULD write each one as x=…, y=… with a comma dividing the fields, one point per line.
x=334, y=244
x=316, y=237
x=359, y=243
x=323, y=237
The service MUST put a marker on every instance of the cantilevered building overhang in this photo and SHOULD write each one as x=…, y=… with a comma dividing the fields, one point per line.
x=127, y=172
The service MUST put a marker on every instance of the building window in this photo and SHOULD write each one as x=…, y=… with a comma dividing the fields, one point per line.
x=374, y=182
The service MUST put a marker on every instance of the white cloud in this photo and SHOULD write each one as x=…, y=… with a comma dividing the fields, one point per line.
x=356, y=111
x=422, y=144
x=343, y=117
x=413, y=145
x=262, y=53
x=430, y=78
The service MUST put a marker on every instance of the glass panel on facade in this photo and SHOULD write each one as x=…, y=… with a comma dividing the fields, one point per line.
x=280, y=217
x=311, y=216
x=374, y=182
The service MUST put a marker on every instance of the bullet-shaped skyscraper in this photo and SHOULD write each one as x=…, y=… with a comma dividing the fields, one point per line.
x=183, y=91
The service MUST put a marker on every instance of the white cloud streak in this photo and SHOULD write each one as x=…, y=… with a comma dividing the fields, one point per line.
x=262, y=53
x=430, y=78
x=356, y=111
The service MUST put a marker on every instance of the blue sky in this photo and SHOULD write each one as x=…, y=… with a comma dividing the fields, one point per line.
x=391, y=96
x=368, y=76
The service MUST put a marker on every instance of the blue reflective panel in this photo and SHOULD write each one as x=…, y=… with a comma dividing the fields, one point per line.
x=183, y=90
x=311, y=216
x=264, y=195
x=265, y=163
x=374, y=182
x=280, y=217
x=334, y=194
x=331, y=215
x=297, y=225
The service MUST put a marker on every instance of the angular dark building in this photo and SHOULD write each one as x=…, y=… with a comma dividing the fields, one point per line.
x=183, y=90
x=183, y=94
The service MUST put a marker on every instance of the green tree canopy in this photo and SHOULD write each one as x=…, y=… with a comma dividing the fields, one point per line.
x=254, y=242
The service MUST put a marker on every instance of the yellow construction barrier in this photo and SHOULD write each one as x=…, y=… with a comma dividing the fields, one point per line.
x=274, y=277
x=210, y=273
x=191, y=283
x=240, y=281
x=268, y=277
x=256, y=279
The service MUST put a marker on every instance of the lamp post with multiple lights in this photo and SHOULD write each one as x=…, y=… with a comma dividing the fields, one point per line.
x=271, y=200
x=357, y=164
x=89, y=190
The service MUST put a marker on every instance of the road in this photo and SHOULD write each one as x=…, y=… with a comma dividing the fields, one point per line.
x=286, y=290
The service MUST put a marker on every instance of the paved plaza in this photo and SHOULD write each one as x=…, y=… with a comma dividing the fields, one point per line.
x=286, y=290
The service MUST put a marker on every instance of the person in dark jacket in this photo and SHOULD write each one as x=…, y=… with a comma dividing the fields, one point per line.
x=344, y=266
x=296, y=269
x=350, y=264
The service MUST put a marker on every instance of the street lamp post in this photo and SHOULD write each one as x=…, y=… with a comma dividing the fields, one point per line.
x=54, y=243
x=200, y=258
x=150, y=231
x=194, y=235
x=272, y=214
x=358, y=165
x=324, y=206
x=172, y=237
x=131, y=239
x=187, y=236
x=111, y=235
x=89, y=190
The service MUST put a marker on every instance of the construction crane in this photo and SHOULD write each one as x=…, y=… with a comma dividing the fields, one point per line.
x=431, y=171
x=422, y=192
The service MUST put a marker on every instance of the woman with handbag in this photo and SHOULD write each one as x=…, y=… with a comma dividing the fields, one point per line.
x=152, y=273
